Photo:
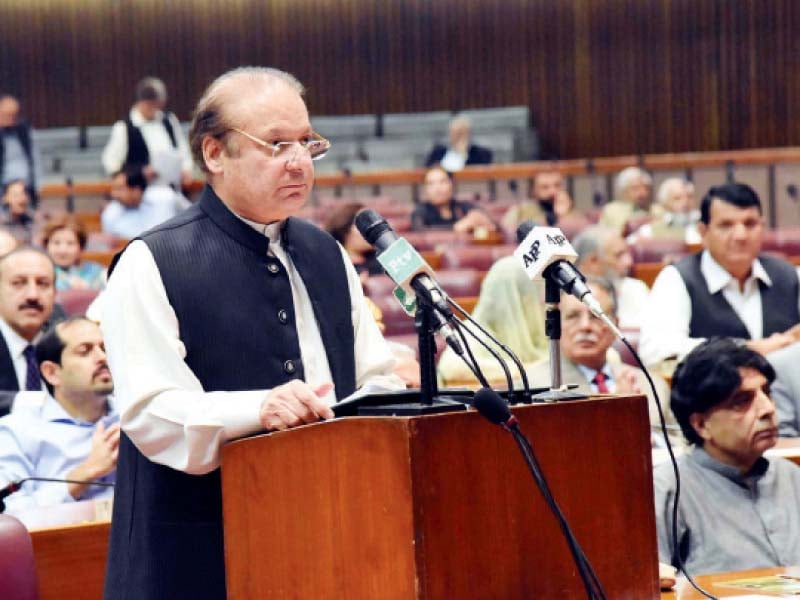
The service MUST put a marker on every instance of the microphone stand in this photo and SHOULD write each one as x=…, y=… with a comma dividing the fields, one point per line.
x=552, y=327
x=430, y=400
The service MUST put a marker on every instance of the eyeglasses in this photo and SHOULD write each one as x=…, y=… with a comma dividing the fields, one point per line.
x=314, y=144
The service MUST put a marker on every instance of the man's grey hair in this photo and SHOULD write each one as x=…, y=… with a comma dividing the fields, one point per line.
x=210, y=116
x=591, y=241
x=605, y=284
x=152, y=89
x=628, y=177
x=461, y=120
x=666, y=187
x=25, y=249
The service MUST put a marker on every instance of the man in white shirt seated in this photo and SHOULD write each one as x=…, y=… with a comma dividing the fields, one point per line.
x=150, y=138
x=729, y=289
x=603, y=252
x=674, y=214
x=73, y=433
x=137, y=206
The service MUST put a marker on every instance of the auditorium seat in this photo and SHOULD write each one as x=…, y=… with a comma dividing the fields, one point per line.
x=658, y=250
x=475, y=257
x=75, y=302
x=784, y=240
x=395, y=319
x=635, y=223
x=432, y=239
x=17, y=565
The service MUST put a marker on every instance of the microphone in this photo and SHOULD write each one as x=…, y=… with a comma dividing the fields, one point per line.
x=15, y=486
x=545, y=253
x=413, y=276
x=494, y=408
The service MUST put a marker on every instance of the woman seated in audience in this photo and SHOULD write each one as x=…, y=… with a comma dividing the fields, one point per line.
x=510, y=307
x=16, y=217
x=64, y=238
x=341, y=225
x=442, y=210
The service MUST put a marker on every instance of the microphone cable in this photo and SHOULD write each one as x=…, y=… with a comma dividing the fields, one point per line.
x=674, y=529
x=15, y=486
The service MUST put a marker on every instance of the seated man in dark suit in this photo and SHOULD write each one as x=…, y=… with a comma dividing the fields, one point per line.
x=27, y=294
x=585, y=341
x=729, y=289
x=738, y=509
x=460, y=152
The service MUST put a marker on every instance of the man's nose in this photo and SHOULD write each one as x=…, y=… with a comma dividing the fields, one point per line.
x=32, y=290
x=766, y=407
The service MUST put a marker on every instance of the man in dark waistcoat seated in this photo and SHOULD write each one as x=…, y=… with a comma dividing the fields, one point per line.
x=728, y=289
x=232, y=318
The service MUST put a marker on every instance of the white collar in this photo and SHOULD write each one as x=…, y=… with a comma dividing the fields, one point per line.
x=717, y=277
x=15, y=342
x=272, y=231
x=138, y=120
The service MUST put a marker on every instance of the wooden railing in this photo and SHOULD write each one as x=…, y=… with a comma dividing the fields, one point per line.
x=600, y=166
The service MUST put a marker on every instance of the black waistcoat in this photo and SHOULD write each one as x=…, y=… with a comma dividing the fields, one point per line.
x=713, y=316
x=138, y=154
x=236, y=319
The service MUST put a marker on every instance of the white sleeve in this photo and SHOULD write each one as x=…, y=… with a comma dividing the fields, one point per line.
x=666, y=319
x=163, y=407
x=116, y=149
x=183, y=144
x=374, y=358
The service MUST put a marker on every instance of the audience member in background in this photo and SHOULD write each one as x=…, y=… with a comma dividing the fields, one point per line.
x=27, y=294
x=510, y=307
x=585, y=341
x=137, y=206
x=550, y=204
x=786, y=390
x=460, y=152
x=729, y=289
x=19, y=157
x=341, y=225
x=64, y=238
x=74, y=433
x=442, y=210
x=7, y=242
x=632, y=190
x=150, y=138
x=602, y=252
x=674, y=214
x=738, y=510
x=16, y=216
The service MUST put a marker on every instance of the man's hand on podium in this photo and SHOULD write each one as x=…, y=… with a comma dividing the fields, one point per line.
x=295, y=403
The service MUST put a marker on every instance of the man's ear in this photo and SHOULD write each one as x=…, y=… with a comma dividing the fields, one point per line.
x=51, y=372
x=698, y=422
x=702, y=229
x=213, y=149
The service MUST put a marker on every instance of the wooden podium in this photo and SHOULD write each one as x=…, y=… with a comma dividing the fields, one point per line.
x=442, y=507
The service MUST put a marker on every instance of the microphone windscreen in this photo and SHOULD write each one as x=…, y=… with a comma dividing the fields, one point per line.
x=524, y=229
x=371, y=225
x=491, y=405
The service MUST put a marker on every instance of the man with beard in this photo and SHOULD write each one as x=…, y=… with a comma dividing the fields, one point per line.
x=27, y=294
x=73, y=434
x=585, y=341
x=738, y=510
x=602, y=252
x=541, y=208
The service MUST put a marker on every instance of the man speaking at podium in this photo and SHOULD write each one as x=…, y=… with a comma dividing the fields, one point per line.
x=227, y=320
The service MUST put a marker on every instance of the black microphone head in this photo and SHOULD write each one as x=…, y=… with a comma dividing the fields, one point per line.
x=491, y=405
x=524, y=229
x=371, y=225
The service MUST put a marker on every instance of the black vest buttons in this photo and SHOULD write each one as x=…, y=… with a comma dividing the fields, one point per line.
x=273, y=268
x=288, y=367
x=283, y=316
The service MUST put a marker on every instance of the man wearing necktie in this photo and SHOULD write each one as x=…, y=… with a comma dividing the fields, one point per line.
x=585, y=341
x=27, y=294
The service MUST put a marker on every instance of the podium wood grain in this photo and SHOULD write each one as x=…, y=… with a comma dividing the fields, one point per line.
x=442, y=507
